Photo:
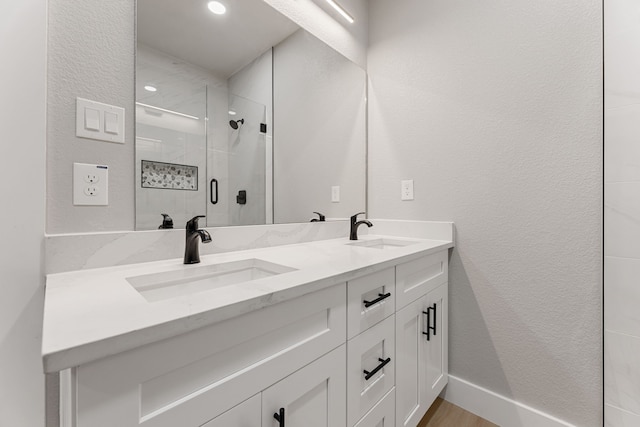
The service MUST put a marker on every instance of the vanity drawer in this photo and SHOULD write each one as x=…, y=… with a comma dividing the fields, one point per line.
x=372, y=351
x=383, y=414
x=190, y=379
x=370, y=299
x=415, y=278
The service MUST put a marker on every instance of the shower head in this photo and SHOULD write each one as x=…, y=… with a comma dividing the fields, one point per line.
x=235, y=124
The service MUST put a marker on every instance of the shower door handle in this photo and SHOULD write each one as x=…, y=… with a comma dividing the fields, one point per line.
x=211, y=187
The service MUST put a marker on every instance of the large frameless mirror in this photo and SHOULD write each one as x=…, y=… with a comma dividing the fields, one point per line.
x=243, y=117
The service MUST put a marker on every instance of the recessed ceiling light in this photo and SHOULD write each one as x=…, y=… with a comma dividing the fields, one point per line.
x=341, y=11
x=150, y=88
x=232, y=113
x=217, y=7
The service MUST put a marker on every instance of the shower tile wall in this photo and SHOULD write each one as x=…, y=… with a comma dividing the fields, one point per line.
x=622, y=213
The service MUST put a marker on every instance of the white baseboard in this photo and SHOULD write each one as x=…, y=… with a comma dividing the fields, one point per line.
x=493, y=407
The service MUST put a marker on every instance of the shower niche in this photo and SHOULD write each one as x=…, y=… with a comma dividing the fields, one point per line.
x=262, y=116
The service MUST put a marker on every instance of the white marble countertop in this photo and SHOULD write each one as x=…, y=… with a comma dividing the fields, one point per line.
x=90, y=314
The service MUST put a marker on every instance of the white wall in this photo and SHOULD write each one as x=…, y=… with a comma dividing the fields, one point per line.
x=91, y=55
x=22, y=126
x=622, y=210
x=494, y=108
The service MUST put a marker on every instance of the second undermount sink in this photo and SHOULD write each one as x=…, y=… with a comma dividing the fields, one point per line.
x=383, y=243
x=193, y=279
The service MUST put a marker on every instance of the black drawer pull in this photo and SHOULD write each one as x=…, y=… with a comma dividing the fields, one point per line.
x=279, y=417
x=368, y=374
x=435, y=316
x=368, y=304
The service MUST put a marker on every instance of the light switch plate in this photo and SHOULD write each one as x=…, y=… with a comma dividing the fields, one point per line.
x=103, y=122
x=335, y=194
x=406, y=189
x=90, y=185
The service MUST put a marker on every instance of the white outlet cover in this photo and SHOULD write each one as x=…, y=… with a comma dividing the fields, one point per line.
x=406, y=189
x=90, y=185
x=335, y=194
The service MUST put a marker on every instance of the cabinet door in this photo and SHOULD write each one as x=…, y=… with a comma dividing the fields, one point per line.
x=410, y=364
x=314, y=396
x=437, y=366
x=421, y=355
x=246, y=414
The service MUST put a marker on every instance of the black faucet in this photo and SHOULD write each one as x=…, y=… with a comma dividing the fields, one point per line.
x=320, y=219
x=191, y=248
x=355, y=224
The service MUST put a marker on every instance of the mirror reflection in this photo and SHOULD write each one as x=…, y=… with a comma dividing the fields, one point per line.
x=244, y=117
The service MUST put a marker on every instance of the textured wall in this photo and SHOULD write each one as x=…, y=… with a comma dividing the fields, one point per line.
x=22, y=120
x=494, y=108
x=622, y=214
x=91, y=55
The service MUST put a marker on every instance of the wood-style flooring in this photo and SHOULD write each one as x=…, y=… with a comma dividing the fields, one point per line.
x=445, y=414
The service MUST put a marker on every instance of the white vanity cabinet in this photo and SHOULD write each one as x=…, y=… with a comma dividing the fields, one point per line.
x=391, y=333
x=191, y=379
x=355, y=354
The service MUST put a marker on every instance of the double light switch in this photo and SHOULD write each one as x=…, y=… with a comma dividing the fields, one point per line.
x=99, y=121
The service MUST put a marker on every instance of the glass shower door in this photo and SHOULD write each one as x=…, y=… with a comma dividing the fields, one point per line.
x=246, y=179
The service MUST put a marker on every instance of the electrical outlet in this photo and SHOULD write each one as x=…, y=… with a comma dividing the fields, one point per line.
x=91, y=190
x=91, y=178
x=335, y=194
x=406, y=189
x=90, y=185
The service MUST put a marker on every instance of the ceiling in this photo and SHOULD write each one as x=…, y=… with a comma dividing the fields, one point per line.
x=223, y=44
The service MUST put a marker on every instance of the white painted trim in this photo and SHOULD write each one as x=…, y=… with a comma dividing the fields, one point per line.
x=496, y=408
x=67, y=398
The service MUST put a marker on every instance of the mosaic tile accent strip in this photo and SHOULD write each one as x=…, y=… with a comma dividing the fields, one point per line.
x=169, y=176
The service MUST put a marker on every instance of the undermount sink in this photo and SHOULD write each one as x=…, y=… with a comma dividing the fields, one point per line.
x=191, y=280
x=383, y=243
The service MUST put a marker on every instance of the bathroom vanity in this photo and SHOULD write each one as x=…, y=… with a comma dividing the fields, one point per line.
x=327, y=333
